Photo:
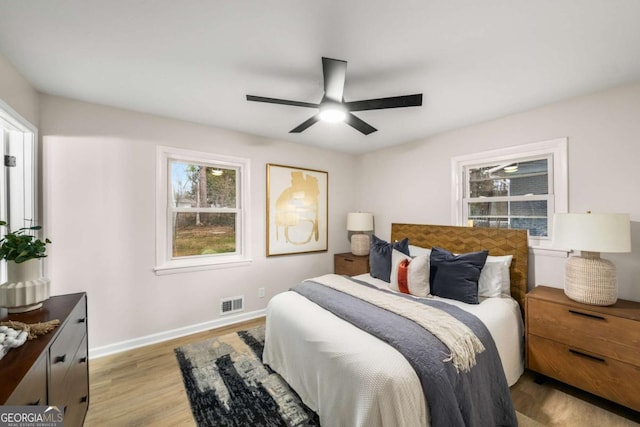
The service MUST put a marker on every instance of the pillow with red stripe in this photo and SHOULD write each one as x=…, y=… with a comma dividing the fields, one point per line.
x=409, y=275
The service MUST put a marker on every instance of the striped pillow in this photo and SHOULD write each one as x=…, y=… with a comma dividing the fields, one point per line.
x=409, y=275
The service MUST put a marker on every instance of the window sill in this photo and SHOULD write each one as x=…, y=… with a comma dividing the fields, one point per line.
x=177, y=268
x=549, y=251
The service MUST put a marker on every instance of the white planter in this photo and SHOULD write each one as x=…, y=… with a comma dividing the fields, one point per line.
x=25, y=288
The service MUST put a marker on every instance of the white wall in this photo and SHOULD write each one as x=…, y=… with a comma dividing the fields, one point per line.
x=16, y=91
x=99, y=211
x=99, y=184
x=411, y=183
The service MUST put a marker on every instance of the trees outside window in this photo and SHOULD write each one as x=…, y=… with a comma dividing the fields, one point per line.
x=515, y=187
x=205, y=208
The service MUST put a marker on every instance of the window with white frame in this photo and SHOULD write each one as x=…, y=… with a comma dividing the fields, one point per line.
x=202, y=210
x=516, y=187
x=18, y=181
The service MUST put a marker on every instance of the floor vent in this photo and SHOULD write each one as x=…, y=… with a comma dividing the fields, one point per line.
x=231, y=305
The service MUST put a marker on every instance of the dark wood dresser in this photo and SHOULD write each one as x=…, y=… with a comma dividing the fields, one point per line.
x=593, y=348
x=350, y=265
x=52, y=369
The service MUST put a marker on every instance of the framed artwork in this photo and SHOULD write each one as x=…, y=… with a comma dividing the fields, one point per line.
x=297, y=206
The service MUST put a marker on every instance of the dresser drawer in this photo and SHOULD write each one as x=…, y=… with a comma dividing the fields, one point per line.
x=51, y=370
x=597, y=332
x=33, y=387
x=74, y=380
x=607, y=377
x=64, y=348
x=73, y=394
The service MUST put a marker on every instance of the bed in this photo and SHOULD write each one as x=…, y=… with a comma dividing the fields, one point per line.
x=351, y=378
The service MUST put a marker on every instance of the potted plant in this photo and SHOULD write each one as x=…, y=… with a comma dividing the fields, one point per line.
x=25, y=288
x=18, y=246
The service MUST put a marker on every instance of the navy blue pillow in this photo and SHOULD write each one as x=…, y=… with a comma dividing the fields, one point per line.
x=456, y=276
x=380, y=256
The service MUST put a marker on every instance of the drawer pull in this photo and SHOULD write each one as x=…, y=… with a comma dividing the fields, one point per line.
x=82, y=360
x=592, y=316
x=82, y=320
x=84, y=399
x=588, y=356
x=348, y=260
x=60, y=359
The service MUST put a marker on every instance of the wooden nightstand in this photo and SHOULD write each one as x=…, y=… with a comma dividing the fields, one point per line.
x=593, y=348
x=350, y=265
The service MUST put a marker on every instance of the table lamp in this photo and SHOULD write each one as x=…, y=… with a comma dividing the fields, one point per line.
x=590, y=279
x=359, y=223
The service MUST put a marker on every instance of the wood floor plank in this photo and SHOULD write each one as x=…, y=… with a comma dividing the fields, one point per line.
x=143, y=387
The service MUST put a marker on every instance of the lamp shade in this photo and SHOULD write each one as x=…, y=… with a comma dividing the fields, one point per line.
x=359, y=221
x=592, y=232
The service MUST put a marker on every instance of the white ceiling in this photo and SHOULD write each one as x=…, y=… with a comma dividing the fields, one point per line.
x=196, y=60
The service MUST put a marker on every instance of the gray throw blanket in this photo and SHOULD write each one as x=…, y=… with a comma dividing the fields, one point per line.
x=477, y=398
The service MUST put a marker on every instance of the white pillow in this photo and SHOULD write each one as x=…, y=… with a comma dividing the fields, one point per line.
x=417, y=273
x=415, y=251
x=494, y=277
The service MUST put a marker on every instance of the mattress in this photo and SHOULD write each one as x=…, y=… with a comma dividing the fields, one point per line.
x=351, y=378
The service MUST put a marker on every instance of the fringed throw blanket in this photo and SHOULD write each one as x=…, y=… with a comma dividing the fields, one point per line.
x=464, y=385
x=461, y=342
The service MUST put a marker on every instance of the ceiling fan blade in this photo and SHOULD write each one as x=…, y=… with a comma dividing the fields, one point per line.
x=304, y=125
x=334, y=72
x=381, y=103
x=359, y=124
x=281, y=101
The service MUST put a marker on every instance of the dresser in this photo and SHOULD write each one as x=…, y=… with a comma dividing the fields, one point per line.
x=52, y=369
x=593, y=348
x=350, y=265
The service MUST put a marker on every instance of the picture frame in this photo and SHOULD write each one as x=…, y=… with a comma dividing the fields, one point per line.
x=297, y=210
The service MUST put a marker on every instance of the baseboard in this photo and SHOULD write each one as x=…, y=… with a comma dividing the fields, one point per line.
x=119, y=347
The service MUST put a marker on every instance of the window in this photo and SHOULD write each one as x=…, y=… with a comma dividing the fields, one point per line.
x=202, y=210
x=517, y=187
x=18, y=179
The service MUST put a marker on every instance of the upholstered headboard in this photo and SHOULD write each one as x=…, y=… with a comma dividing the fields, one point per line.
x=498, y=241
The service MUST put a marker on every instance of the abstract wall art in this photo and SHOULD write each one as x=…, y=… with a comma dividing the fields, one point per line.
x=297, y=205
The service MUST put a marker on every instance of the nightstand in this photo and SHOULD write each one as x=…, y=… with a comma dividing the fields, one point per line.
x=350, y=265
x=594, y=348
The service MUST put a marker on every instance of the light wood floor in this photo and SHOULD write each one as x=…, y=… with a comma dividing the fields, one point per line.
x=143, y=387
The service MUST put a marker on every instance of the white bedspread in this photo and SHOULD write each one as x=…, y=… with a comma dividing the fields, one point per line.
x=351, y=378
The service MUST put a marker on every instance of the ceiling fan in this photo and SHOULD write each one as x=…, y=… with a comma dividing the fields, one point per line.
x=334, y=108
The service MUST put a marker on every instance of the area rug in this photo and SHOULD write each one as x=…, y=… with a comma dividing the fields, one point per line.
x=228, y=385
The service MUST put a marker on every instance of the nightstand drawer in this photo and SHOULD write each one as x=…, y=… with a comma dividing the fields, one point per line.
x=350, y=265
x=597, y=332
x=585, y=369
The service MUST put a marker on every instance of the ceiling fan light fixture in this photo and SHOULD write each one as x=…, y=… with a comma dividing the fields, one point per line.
x=332, y=113
x=333, y=108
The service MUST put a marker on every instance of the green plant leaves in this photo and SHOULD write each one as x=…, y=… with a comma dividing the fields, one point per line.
x=20, y=247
